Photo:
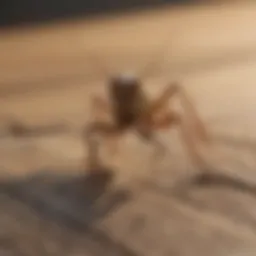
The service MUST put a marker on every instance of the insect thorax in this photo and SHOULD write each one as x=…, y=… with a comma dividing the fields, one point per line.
x=128, y=99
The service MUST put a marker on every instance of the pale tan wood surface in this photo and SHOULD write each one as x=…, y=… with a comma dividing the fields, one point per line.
x=47, y=76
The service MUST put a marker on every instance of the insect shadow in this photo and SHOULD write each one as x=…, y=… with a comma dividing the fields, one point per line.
x=222, y=180
x=208, y=179
x=76, y=202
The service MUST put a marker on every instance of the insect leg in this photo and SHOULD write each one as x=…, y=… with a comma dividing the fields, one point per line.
x=99, y=107
x=148, y=135
x=197, y=125
x=91, y=136
x=172, y=118
x=97, y=127
x=161, y=102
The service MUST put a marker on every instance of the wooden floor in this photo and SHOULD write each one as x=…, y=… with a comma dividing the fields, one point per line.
x=47, y=76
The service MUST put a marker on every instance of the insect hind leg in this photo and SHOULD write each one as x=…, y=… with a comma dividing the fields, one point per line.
x=160, y=149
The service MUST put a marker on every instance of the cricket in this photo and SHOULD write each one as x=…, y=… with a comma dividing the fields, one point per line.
x=131, y=110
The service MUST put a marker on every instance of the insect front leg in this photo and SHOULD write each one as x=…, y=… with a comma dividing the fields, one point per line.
x=92, y=136
x=99, y=108
x=99, y=128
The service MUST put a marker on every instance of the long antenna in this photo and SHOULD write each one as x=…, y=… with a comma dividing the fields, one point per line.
x=150, y=68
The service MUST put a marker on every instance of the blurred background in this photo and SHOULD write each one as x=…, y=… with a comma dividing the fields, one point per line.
x=17, y=12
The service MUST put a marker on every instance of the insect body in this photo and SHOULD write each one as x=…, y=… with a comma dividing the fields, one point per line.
x=131, y=109
x=128, y=100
